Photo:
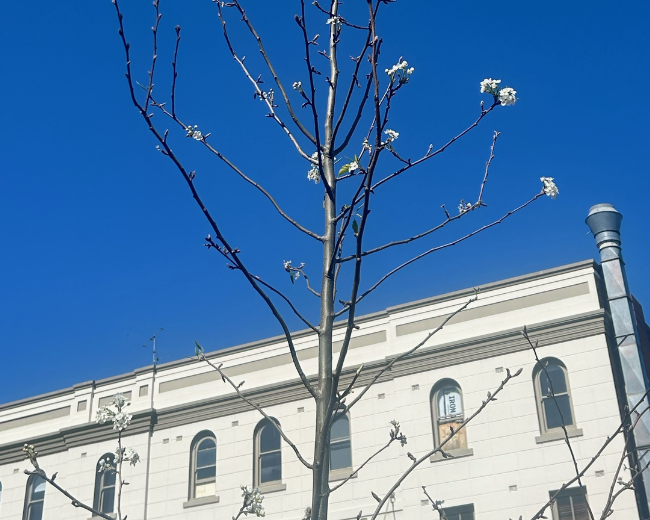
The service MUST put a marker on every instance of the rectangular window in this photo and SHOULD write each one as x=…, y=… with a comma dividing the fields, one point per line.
x=464, y=512
x=571, y=504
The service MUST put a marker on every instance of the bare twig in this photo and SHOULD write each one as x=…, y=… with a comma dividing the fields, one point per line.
x=533, y=346
x=267, y=60
x=409, y=352
x=175, y=73
x=487, y=166
x=436, y=504
x=437, y=248
x=32, y=454
x=236, y=388
x=416, y=462
x=264, y=96
x=233, y=252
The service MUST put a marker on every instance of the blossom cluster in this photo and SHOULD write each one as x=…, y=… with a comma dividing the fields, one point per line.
x=252, y=501
x=391, y=135
x=505, y=96
x=297, y=85
x=119, y=418
x=550, y=188
x=194, y=132
x=464, y=207
x=314, y=172
x=400, y=71
x=336, y=22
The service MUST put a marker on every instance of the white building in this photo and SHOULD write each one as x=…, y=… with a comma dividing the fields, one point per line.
x=512, y=456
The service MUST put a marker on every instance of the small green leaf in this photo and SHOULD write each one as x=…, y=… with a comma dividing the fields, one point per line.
x=344, y=169
x=198, y=349
x=355, y=227
x=292, y=278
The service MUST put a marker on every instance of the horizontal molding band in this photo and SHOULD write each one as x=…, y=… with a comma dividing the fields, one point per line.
x=34, y=418
x=427, y=358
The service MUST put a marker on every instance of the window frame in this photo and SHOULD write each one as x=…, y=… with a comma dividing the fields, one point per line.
x=545, y=431
x=271, y=485
x=198, y=439
x=98, y=494
x=568, y=493
x=29, y=489
x=341, y=473
x=436, y=420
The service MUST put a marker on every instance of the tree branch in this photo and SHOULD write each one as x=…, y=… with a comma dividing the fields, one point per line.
x=443, y=246
x=417, y=462
x=225, y=378
x=265, y=55
x=220, y=237
x=268, y=99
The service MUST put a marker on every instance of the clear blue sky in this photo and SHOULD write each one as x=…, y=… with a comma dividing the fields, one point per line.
x=102, y=244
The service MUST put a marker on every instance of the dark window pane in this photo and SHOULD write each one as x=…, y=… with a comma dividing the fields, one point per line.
x=269, y=438
x=557, y=379
x=206, y=457
x=270, y=467
x=206, y=444
x=207, y=472
x=580, y=511
x=564, y=508
x=340, y=455
x=553, y=418
x=340, y=429
x=36, y=511
x=38, y=488
x=108, y=500
x=109, y=478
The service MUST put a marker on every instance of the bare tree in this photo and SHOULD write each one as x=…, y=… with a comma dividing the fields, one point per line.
x=350, y=120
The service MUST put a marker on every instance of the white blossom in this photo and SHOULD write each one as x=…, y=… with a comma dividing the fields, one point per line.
x=549, y=187
x=103, y=415
x=490, y=86
x=400, y=71
x=121, y=421
x=297, y=85
x=507, y=96
x=352, y=166
x=314, y=172
x=119, y=400
x=464, y=207
x=336, y=22
x=194, y=132
x=287, y=265
x=391, y=135
x=252, y=501
x=104, y=465
x=365, y=145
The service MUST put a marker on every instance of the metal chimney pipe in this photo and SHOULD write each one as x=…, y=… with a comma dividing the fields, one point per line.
x=605, y=224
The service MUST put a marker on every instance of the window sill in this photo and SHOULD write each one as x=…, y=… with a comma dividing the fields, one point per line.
x=455, y=454
x=272, y=487
x=341, y=474
x=557, y=435
x=201, y=501
x=95, y=517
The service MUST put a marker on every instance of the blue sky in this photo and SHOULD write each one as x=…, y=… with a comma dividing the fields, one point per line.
x=102, y=243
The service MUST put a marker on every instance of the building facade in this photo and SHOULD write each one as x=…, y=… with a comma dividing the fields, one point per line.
x=199, y=442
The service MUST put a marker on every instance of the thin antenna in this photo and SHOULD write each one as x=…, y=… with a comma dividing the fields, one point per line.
x=153, y=340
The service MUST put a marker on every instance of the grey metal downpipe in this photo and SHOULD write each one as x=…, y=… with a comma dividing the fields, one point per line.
x=605, y=224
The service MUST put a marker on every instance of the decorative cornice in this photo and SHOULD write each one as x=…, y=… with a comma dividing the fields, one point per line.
x=530, y=277
x=74, y=436
x=428, y=358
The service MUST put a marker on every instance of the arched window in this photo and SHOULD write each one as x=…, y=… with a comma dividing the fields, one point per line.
x=104, y=498
x=340, y=447
x=268, y=455
x=34, y=498
x=447, y=411
x=203, y=466
x=554, y=405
